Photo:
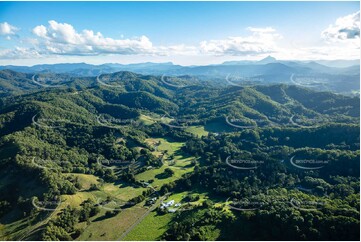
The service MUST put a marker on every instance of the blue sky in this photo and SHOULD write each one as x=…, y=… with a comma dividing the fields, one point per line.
x=182, y=32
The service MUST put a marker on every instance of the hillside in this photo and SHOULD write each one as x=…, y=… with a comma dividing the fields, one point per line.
x=335, y=76
x=92, y=152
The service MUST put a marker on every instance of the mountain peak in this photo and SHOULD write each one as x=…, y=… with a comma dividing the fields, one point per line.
x=268, y=59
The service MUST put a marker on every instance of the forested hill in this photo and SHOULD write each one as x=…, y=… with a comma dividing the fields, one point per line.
x=55, y=128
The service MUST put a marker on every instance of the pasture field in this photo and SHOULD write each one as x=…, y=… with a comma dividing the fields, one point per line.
x=151, y=228
x=180, y=164
x=197, y=130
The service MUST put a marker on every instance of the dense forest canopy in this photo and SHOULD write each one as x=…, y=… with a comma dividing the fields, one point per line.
x=276, y=161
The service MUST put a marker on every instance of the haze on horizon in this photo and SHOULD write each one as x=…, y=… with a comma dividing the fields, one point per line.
x=185, y=33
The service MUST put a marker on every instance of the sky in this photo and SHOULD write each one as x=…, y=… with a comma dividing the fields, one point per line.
x=186, y=33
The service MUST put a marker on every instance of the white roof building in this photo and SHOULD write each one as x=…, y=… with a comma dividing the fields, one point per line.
x=168, y=204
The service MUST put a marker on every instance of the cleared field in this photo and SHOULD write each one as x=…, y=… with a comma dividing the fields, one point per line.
x=154, y=225
x=13, y=230
x=119, y=191
x=179, y=198
x=122, y=192
x=103, y=228
x=165, y=144
x=197, y=130
x=180, y=164
x=156, y=175
x=146, y=120
x=12, y=225
x=151, y=228
x=86, y=180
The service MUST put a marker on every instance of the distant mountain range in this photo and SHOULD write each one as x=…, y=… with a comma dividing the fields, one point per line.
x=84, y=69
x=340, y=76
x=267, y=65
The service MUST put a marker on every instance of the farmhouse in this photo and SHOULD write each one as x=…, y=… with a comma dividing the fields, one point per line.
x=167, y=204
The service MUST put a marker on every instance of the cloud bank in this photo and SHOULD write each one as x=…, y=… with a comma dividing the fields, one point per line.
x=63, y=39
x=8, y=30
x=341, y=40
x=345, y=28
x=261, y=41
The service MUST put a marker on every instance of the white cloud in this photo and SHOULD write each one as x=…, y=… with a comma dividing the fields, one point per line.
x=63, y=39
x=19, y=53
x=261, y=41
x=175, y=50
x=262, y=30
x=7, y=29
x=323, y=52
x=345, y=29
x=63, y=42
x=40, y=31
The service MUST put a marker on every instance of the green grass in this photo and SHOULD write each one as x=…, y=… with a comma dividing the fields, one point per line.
x=25, y=228
x=154, y=225
x=166, y=144
x=147, y=120
x=86, y=180
x=13, y=226
x=102, y=228
x=178, y=198
x=151, y=228
x=122, y=192
x=181, y=162
x=158, y=182
x=111, y=228
x=12, y=230
x=197, y=130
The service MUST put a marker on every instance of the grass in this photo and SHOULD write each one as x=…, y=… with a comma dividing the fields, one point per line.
x=165, y=144
x=156, y=173
x=178, y=198
x=13, y=226
x=151, y=228
x=197, y=130
x=146, y=120
x=182, y=162
x=102, y=227
x=25, y=228
x=120, y=191
x=112, y=228
x=154, y=225
x=12, y=230
x=86, y=180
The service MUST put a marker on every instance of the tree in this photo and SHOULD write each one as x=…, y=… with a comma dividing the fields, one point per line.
x=169, y=172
